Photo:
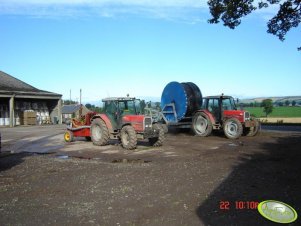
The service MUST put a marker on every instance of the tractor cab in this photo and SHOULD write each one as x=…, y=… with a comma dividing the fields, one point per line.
x=122, y=106
x=223, y=107
x=220, y=112
x=119, y=109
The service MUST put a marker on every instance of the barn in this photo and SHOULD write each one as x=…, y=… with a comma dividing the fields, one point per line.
x=23, y=104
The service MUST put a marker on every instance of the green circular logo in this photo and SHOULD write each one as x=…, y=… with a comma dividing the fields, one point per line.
x=278, y=212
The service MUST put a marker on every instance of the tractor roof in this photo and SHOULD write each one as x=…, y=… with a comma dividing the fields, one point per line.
x=218, y=96
x=118, y=99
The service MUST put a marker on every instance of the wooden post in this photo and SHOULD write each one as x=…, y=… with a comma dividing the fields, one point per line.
x=12, y=111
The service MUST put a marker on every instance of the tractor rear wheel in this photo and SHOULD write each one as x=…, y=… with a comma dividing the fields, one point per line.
x=99, y=132
x=157, y=141
x=201, y=124
x=233, y=128
x=128, y=137
x=68, y=136
x=252, y=131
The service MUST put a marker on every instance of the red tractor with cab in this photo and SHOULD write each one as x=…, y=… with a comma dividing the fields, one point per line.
x=220, y=112
x=122, y=119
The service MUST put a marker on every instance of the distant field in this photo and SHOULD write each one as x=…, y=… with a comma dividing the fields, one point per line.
x=277, y=112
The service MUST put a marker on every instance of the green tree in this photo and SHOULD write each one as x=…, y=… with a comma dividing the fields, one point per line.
x=149, y=104
x=287, y=103
x=89, y=106
x=92, y=107
x=142, y=105
x=294, y=103
x=98, y=109
x=231, y=12
x=280, y=104
x=267, y=105
x=69, y=102
x=158, y=106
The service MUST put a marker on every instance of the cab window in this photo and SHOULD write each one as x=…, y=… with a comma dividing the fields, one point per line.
x=228, y=104
x=213, y=105
x=138, y=107
x=126, y=107
x=110, y=107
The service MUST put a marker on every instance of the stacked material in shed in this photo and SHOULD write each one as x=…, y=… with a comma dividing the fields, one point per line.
x=28, y=118
x=4, y=115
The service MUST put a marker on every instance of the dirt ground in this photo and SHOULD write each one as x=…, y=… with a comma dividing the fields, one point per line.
x=186, y=182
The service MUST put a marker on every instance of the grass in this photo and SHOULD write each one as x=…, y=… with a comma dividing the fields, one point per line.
x=288, y=112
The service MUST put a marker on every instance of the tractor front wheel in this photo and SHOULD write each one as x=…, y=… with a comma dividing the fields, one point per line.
x=233, y=128
x=128, y=137
x=99, y=132
x=201, y=125
x=157, y=141
x=68, y=136
x=252, y=131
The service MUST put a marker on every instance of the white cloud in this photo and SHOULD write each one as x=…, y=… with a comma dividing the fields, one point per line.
x=185, y=10
x=146, y=3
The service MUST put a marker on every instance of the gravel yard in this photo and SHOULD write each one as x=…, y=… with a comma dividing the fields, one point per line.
x=46, y=181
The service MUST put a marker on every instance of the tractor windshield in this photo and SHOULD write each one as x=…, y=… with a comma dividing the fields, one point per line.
x=127, y=107
x=138, y=107
x=229, y=104
x=110, y=107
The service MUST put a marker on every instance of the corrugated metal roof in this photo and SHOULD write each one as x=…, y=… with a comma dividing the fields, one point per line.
x=69, y=109
x=10, y=84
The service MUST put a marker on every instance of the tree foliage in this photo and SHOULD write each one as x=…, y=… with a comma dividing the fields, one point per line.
x=287, y=103
x=69, y=102
x=267, y=105
x=231, y=12
x=92, y=107
x=294, y=103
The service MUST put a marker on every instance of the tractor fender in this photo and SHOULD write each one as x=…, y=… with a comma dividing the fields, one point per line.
x=106, y=119
x=234, y=114
x=135, y=121
x=208, y=113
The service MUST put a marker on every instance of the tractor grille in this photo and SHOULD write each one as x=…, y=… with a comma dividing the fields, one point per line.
x=247, y=115
x=147, y=122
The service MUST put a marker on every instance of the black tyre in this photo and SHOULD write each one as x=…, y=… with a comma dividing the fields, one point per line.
x=201, y=124
x=99, y=132
x=233, y=128
x=128, y=137
x=157, y=141
x=252, y=131
x=88, y=138
x=68, y=136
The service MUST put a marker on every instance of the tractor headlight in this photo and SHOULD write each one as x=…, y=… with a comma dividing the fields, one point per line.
x=147, y=122
x=247, y=115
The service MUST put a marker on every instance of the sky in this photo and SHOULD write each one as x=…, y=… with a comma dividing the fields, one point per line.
x=117, y=47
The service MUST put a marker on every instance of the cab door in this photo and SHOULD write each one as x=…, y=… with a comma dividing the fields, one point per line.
x=213, y=106
x=111, y=110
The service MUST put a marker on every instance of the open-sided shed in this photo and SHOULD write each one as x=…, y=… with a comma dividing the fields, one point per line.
x=17, y=97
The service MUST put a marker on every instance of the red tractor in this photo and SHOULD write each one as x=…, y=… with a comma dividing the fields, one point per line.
x=220, y=112
x=122, y=119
